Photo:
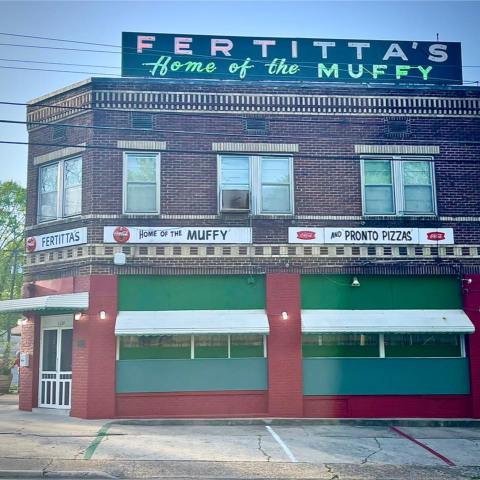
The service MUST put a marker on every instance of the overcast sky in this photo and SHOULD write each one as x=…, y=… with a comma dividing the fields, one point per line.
x=103, y=22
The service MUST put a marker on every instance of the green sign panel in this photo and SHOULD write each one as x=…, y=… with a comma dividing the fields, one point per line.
x=208, y=57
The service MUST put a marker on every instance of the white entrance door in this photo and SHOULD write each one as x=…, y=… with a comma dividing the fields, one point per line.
x=56, y=362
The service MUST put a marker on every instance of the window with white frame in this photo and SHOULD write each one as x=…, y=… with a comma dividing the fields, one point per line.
x=141, y=183
x=257, y=184
x=398, y=186
x=60, y=189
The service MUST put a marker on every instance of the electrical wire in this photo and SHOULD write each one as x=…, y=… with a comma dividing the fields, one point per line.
x=321, y=157
x=216, y=133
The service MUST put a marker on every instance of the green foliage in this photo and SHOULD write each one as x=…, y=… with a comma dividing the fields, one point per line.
x=12, y=222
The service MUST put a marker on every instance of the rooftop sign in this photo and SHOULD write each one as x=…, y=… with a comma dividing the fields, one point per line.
x=177, y=56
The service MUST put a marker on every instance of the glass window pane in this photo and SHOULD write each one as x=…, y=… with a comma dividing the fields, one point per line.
x=72, y=173
x=276, y=199
x=379, y=200
x=141, y=198
x=422, y=345
x=48, y=193
x=72, y=201
x=155, y=347
x=48, y=178
x=276, y=170
x=242, y=346
x=210, y=346
x=49, y=356
x=418, y=199
x=235, y=172
x=340, y=345
x=47, y=206
x=142, y=168
x=66, y=354
x=378, y=172
x=416, y=173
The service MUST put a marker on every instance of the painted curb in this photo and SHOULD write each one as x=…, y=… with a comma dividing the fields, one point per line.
x=54, y=474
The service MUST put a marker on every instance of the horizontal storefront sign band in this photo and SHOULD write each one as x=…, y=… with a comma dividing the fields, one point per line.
x=122, y=235
x=386, y=236
x=163, y=55
x=65, y=238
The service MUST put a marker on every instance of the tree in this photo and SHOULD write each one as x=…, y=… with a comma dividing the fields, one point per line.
x=12, y=252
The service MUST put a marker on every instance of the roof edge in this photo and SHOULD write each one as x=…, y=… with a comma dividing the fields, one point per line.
x=59, y=91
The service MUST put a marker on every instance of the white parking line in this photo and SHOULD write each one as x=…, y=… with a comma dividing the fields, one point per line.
x=282, y=444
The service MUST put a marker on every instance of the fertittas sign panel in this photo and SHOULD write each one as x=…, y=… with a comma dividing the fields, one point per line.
x=165, y=55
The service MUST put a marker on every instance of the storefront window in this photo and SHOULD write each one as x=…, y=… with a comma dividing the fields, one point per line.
x=153, y=347
x=422, y=345
x=210, y=346
x=340, y=345
x=242, y=346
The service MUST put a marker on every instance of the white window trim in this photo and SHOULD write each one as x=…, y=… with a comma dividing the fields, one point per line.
x=255, y=183
x=124, y=183
x=397, y=184
x=60, y=163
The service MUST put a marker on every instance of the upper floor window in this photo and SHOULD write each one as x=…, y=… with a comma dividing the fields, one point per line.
x=259, y=184
x=60, y=189
x=141, y=183
x=398, y=186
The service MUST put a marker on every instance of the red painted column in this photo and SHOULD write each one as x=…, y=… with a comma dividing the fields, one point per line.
x=30, y=344
x=94, y=350
x=285, y=384
x=471, y=304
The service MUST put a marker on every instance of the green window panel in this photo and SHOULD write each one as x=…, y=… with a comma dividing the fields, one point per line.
x=243, y=346
x=156, y=346
x=188, y=292
x=422, y=345
x=191, y=375
x=380, y=292
x=340, y=345
x=386, y=376
x=210, y=346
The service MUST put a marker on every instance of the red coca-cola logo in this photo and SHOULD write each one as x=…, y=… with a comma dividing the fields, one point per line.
x=306, y=235
x=31, y=244
x=436, y=236
x=121, y=234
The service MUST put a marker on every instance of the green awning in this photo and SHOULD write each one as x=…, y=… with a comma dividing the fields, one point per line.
x=70, y=302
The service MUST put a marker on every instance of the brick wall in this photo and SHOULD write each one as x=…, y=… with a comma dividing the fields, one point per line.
x=285, y=386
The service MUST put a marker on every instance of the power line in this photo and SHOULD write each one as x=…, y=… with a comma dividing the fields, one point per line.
x=216, y=133
x=57, y=48
x=58, y=39
x=57, y=63
x=355, y=157
x=61, y=71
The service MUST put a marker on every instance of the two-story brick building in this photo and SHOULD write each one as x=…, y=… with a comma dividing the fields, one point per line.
x=246, y=249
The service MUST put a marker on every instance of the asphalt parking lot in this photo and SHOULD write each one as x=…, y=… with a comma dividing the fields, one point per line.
x=47, y=443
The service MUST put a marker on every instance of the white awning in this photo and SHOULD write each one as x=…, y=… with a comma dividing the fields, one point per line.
x=70, y=302
x=191, y=321
x=379, y=321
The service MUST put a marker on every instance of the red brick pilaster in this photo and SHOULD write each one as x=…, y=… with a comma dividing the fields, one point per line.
x=471, y=303
x=285, y=385
x=30, y=344
x=94, y=347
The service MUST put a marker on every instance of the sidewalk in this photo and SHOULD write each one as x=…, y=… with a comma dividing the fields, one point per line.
x=39, y=445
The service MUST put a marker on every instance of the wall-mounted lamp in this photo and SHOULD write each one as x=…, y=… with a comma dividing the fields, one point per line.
x=102, y=315
x=284, y=316
x=355, y=282
x=468, y=281
x=77, y=316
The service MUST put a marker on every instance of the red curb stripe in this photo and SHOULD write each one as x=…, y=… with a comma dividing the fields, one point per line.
x=426, y=447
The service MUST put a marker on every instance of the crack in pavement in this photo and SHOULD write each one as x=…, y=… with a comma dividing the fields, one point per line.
x=45, y=468
x=330, y=470
x=261, y=449
x=365, y=460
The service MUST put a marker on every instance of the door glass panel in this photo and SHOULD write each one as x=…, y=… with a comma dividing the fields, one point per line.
x=49, y=359
x=66, y=356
